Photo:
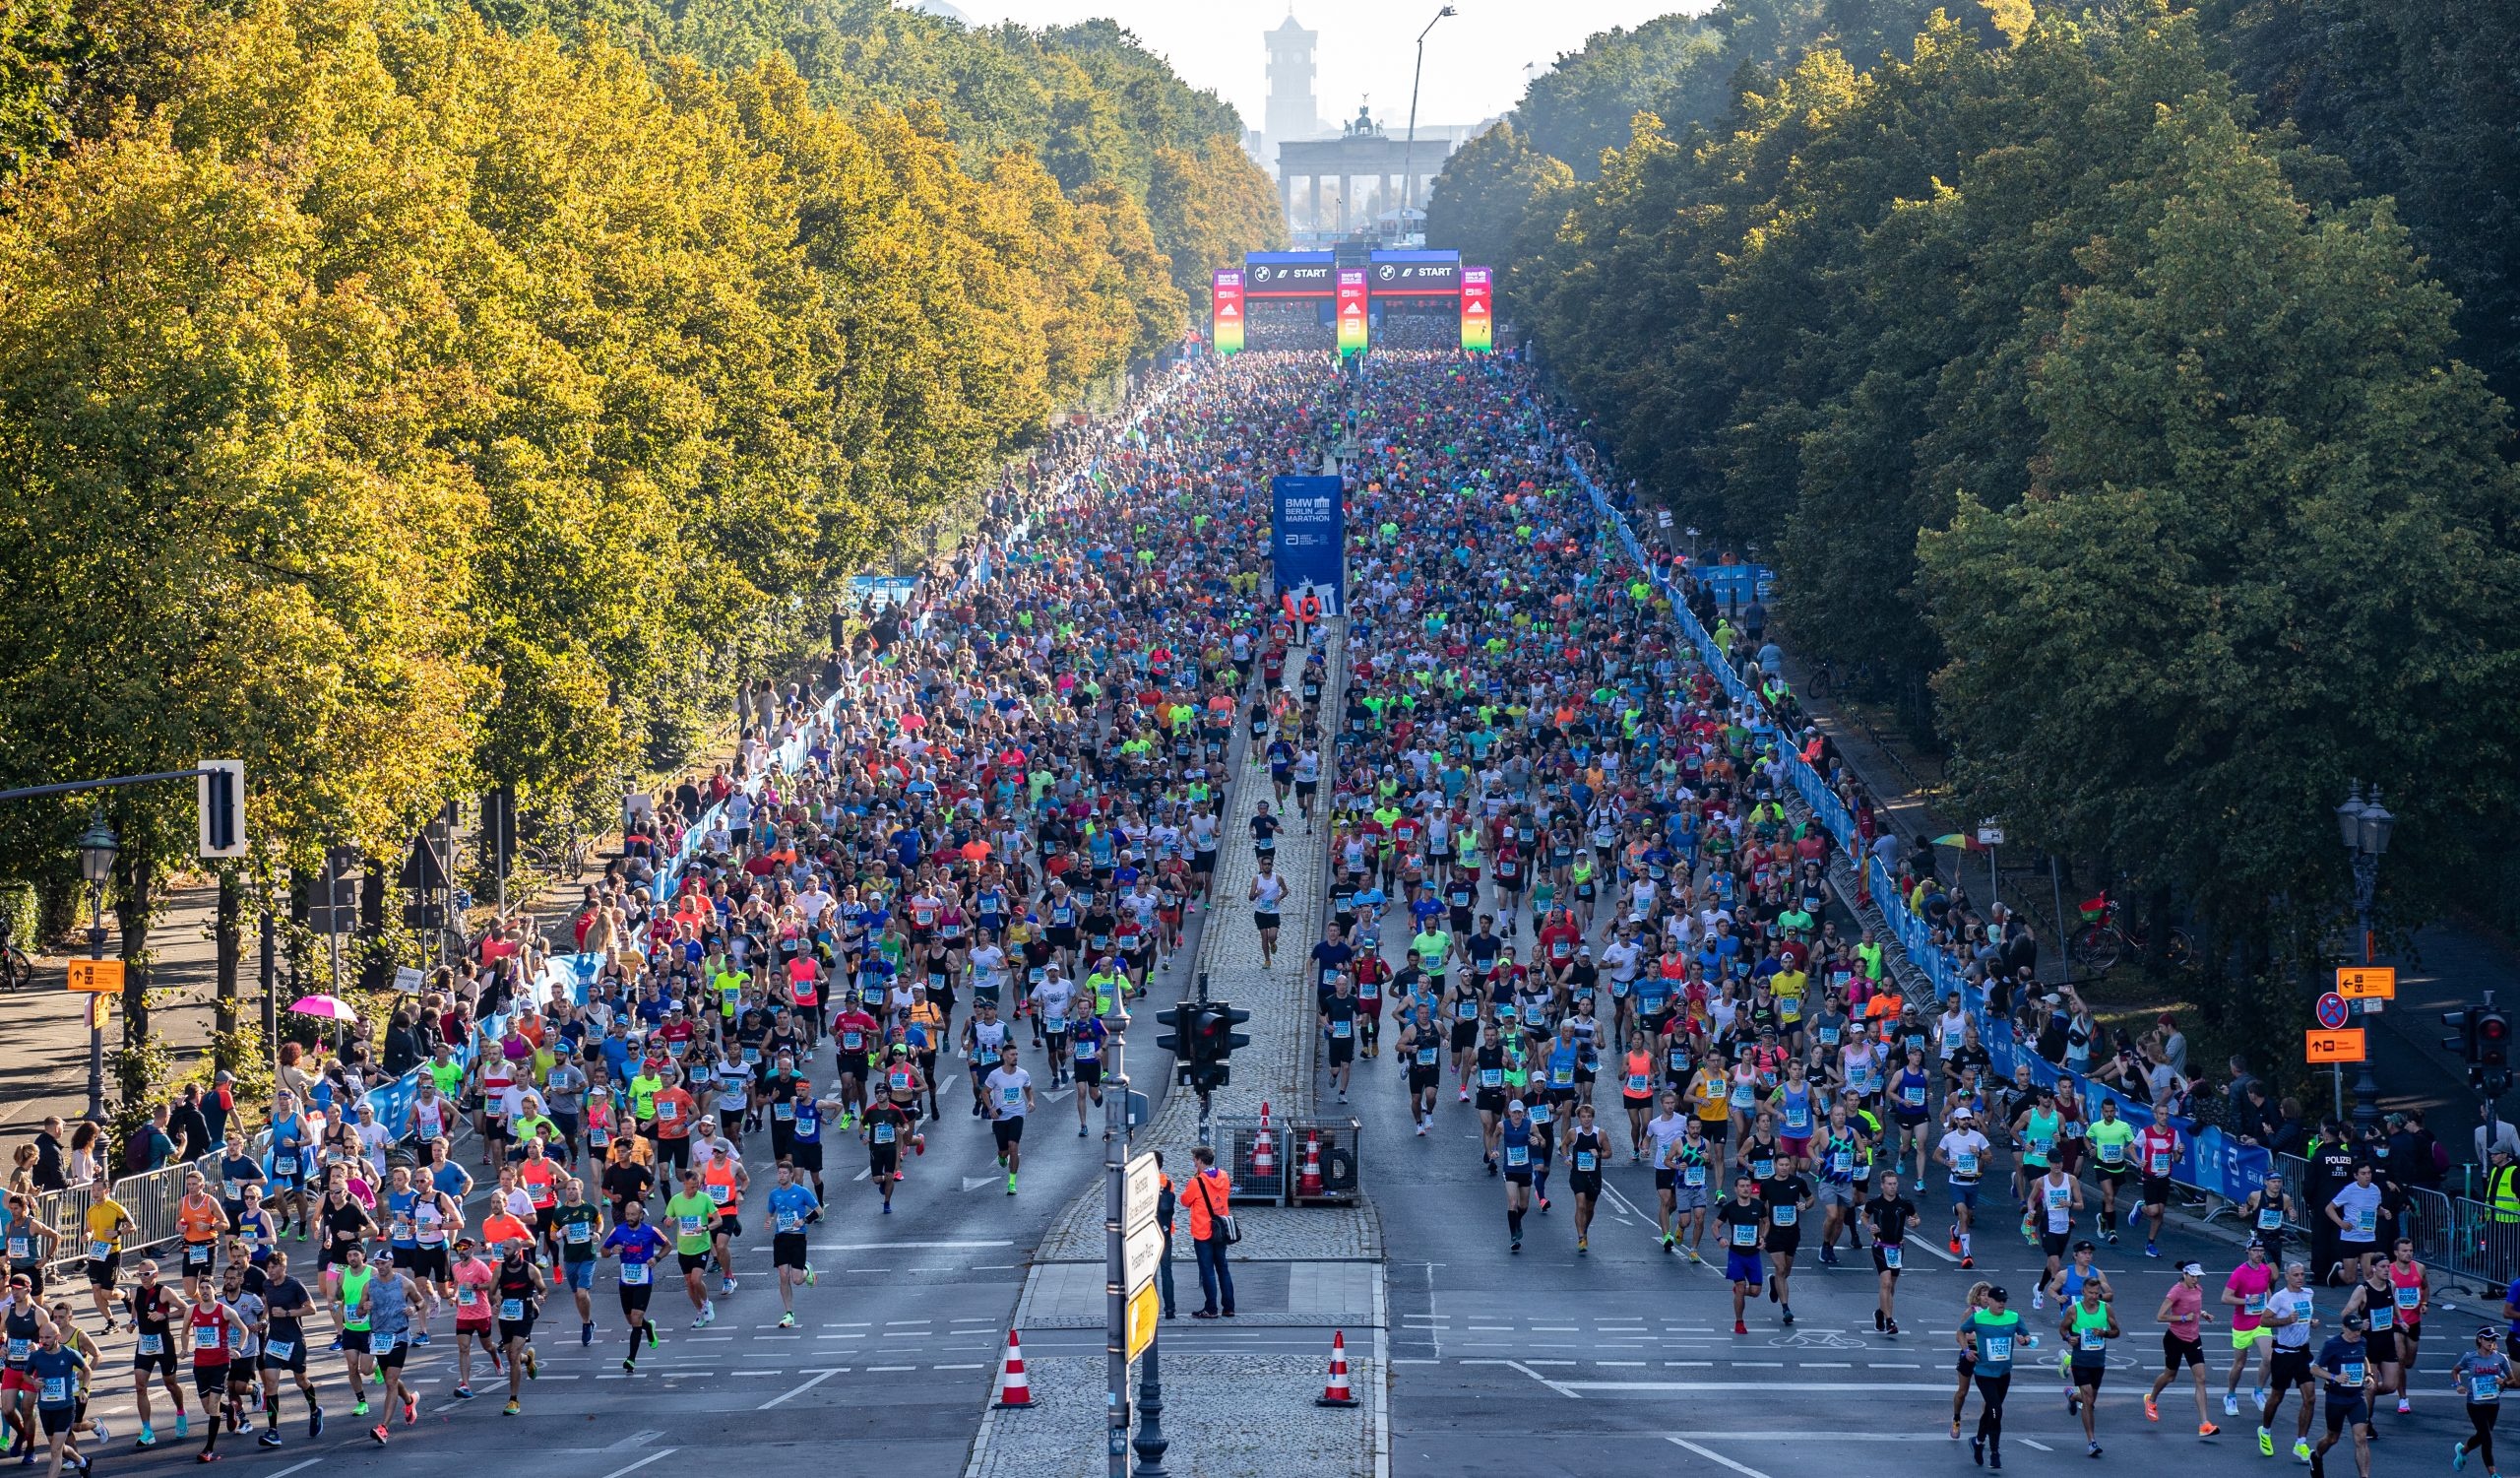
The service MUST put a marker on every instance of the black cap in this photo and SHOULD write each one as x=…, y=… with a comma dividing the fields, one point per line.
x=1996, y=1295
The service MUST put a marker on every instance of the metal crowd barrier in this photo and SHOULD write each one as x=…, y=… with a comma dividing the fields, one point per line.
x=1237, y=1139
x=1337, y=1143
x=151, y=1200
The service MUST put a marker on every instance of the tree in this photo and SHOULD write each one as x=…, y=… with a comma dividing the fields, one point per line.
x=2269, y=549
x=1498, y=203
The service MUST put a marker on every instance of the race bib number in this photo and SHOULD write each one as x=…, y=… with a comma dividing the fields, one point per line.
x=2094, y=1341
x=1586, y=1160
x=150, y=1344
x=1746, y=1234
x=2408, y=1297
x=1965, y=1163
x=690, y=1225
x=2484, y=1391
x=1491, y=1077
x=1342, y=1028
x=1999, y=1348
x=19, y=1350
x=1890, y=1256
x=784, y=1112
x=1695, y=1174
x=512, y=1310
x=1516, y=1156
x=720, y=1192
x=2352, y=1372
x=281, y=1349
x=581, y=1232
x=884, y=1134
x=2254, y=1305
x=634, y=1274
x=99, y=1251
x=55, y=1392
x=379, y=1343
x=467, y=1298
x=1915, y=1094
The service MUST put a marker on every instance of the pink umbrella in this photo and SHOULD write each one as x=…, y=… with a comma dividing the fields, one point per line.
x=330, y=1008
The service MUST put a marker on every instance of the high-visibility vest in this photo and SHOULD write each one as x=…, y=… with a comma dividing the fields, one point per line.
x=2506, y=1194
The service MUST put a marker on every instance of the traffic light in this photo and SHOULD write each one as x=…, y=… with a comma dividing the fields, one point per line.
x=2494, y=1040
x=1213, y=1038
x=2465, y=1043
x=220, y=787
x=1171, y=1017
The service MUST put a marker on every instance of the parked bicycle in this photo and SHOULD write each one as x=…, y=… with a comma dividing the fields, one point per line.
x=2110, y=932
x=16, y=969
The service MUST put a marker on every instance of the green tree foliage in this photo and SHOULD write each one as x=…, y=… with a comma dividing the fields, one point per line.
x=1499, y=201
x=2419, y=98
x=2269, y=549
x=1581, y=106
x=404, y=401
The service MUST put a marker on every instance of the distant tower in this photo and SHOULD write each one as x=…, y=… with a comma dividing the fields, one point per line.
x=1294, y=112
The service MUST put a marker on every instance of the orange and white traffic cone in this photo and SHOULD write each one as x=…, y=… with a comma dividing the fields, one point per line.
x=1264, y=1154
x=1336, y=1393
x=1013, y=1389
x=1309, y=1182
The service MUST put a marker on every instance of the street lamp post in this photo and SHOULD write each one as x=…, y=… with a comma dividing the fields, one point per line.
x=98, y=849
x=2363, y=827
x=1409, y=149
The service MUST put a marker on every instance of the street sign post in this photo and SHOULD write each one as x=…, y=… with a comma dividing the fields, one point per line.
x=2367, y=981
x=1145, y=1255
x=1145, y=1183
x=2333, y=1011
x=100, y=976
x=2344, y=1046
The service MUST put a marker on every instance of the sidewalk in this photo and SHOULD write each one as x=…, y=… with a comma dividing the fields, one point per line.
x=1243, y=1414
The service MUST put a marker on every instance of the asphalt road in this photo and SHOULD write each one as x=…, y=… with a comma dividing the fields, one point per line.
x=1623, y=1360
x=893, y=1361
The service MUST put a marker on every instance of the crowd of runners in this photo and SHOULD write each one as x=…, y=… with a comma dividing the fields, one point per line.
x=1572, y=904
x=1002, y=827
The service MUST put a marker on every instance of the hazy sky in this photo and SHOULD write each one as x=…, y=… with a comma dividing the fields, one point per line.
x=1475, y=59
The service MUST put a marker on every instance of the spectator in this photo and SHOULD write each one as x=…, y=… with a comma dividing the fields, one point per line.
x=2495, y=1135
x=152, y=1147
x=52, y=1171
x=2254, y=1120
x=2236, y=1096
x=402, y=1044
x=188, y=1126
x=219, y=1106
x=87, y=1158
x=2170, y=1044
x=2414, y=1152
x=1210, y=1197
x=21, y=1170
x=2289, y=1130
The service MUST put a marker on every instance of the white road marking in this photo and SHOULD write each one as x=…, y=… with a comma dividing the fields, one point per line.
x=615, y=1474
x=1933, y=1248
x=783, y=1398
x=886, y=1246
x=1715, y=1457
x=2041, y=1446
x=292, y=1468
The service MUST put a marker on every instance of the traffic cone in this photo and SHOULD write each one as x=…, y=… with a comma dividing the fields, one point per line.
x=1336, y=1393
x=1012, y=1389
x=1264, y=1154
x=1309, y=1182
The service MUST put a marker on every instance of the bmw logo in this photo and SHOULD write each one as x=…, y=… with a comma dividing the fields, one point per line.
x=1259, y=274
x=1389, y=272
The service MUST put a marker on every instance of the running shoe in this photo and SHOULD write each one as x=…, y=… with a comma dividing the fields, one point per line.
x=183, y=1424
x=513, y=1408
x=2301, y=1449
x=2231, y=1405
x=2265, y=1442
x=533, y=1366
x=461, y=1393
x=2152, y=1410
x=148, y=1437
x=2405, y=1406
x=1582, y=1246
x=360, y=1409
x=378, y=1432
x=2206, y=1428
x=314, y=1422
x=585, y=1335
x=2459, y=1458
x=1739, y=1328
x=786, y=1322
x=269, y=1440
x=1978, y=1450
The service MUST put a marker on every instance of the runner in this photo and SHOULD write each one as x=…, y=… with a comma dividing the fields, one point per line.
x=2245, y=1293
x=1514, y=1138
x=1587, y=1150
x=52, y=1371
x=1989, y=1335
x=286, y=1305
x=2113, y=1150
x=638, y=1246
x=2480, y=1376
x=474, y=1278
x=392, y=1300
x=1010, y=1099
x=793, y=1208
x=1889, y=1215
x=216, y=1330
x=2344, y=1371
x=517, y=1286
x=693, y=1217
x=153, y=1311
x=1963, y=1152
x=2087, y=1326
x=1744, y=1219
x=1788, y=1195
x=2182, y=1317
x=2412, y=1289
x=580, y=1229
x=2291, y=1311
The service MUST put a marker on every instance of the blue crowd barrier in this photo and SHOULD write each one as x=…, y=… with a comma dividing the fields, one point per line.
x=2209, y=1161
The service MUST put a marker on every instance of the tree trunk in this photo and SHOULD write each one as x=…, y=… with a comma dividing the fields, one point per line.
x=135, y=910
x=230, y=943
x=2157, y=934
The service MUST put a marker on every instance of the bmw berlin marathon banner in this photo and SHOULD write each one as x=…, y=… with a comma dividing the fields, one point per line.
x=1308, y=539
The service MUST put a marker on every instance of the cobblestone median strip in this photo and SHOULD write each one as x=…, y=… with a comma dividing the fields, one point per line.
x=1230, y=1414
